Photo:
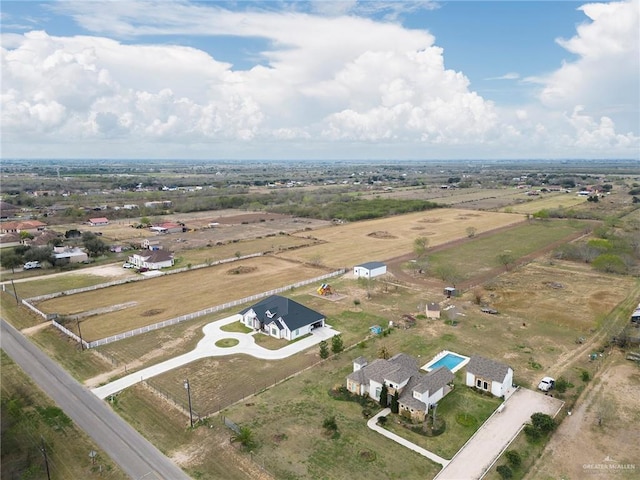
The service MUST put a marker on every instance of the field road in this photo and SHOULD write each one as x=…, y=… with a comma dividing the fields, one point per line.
x=126, y=447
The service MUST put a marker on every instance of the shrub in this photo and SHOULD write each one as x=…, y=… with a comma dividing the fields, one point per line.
x=382, y=420
x=532, y=433
x=504, y=471
x=514, y=458
x=562, y=384
x=585, y=376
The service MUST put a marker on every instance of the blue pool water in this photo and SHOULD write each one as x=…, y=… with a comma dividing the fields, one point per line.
x=450, y=360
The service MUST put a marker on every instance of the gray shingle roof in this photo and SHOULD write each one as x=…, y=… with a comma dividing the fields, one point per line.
x=293, y=314
x=487, y=368
x=434, y=380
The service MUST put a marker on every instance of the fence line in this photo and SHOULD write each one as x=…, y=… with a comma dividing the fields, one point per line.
x=113, y=283
x=69, y=333
x=167, y=396
x=208, y=311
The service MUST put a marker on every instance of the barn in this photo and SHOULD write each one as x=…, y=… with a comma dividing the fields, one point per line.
x=370, y=269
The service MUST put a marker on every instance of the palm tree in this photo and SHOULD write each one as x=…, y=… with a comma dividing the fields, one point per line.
x=244, y=437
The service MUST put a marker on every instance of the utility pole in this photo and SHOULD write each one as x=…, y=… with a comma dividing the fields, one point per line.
x=43, y=449
x=15, y=293
x=80, y=335
x=188, y=388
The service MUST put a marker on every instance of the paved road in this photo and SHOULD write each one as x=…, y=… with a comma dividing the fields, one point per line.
x=207, y=348
x=478, y=455
x=126, y=447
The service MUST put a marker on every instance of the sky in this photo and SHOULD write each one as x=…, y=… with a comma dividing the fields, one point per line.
x=320, y=80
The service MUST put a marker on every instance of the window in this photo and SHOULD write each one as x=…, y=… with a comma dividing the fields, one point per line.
x=378, y=391
x=486, y=386
x=479, y=383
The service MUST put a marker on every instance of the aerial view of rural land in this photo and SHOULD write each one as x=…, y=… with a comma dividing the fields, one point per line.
x=320, y=240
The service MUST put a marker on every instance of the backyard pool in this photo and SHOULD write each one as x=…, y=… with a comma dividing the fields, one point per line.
x=452, y=361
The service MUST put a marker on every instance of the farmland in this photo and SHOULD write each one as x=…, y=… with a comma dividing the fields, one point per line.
x=382, y=239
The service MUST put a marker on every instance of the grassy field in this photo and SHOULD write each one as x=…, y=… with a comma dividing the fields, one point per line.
x=546, y=201
x=480, y=255
x=386, y=238
x=59, y=283
x=165, y=297
x=28, y=418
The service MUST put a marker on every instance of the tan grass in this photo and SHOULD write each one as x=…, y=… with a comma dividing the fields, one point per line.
x=348, y=245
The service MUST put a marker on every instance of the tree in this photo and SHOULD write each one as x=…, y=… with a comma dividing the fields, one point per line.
x=504, y=471
x=395, y=402
x=39, y=254
x=244, y=437
x=11, y=260
x=384, y=393
x=514, y=458
x=73, y=233
x=324, y=349
x=506, y=259
x=420, y=246
x=383, y=352
x=95, y=246
x=336, y=344
x=543, y=422
x=471, y=232
x=448, y=273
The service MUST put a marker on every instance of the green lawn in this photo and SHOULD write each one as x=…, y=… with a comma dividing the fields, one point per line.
x=480, y=255
x=463, y=410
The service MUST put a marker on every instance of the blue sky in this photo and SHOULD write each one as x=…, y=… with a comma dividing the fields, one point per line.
x=320, y=80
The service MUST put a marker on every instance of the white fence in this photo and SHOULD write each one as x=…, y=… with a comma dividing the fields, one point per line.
x=208, y=311
x=113, y=283
x=69, y=333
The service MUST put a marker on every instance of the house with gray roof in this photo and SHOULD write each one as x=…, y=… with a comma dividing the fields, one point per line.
x=416, y=391
x=152, y=259
x=281, y=317
x=489, y=375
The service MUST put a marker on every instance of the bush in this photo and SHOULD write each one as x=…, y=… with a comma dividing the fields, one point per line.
x=514, y=458
x=504, y=471
x=585, y=376
x=562, y=384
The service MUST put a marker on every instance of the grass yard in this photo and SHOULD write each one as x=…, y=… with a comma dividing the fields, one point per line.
x=463, y=410
x=28, y=417
x=385, y=238
x=59, y=283
x=548, y=201
x=480, y=255
x=169, y=296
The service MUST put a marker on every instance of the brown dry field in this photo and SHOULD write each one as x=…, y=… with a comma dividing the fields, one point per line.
x=580, y=448
x=169, y=296
x=383, y=239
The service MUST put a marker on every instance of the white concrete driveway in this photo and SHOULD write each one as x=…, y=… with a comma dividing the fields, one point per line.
x=481, y=451
x=207, y=348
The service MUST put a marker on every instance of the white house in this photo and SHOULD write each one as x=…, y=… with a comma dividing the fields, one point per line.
x=281, y=317
x=416, y=391
x=152, y=259
x=489, y=375
x=370, y=269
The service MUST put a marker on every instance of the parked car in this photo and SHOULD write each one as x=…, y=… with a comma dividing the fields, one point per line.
x=143, y=269
x=546, y=384
x=128, y=265
x=31, y=265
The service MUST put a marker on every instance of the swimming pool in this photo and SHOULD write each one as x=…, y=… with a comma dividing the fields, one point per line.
x=452, y=361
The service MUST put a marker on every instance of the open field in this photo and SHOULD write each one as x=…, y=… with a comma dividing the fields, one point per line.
x=385, y=238
x=546, y=201
x=170, y=296
x=28, y=418
x=479, y=255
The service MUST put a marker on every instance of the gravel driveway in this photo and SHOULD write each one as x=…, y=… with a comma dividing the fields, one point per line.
x=480, y=452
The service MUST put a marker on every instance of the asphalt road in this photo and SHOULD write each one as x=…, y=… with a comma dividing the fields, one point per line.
x=125, y=446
